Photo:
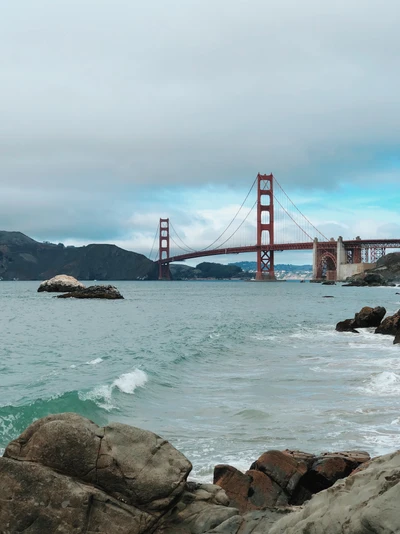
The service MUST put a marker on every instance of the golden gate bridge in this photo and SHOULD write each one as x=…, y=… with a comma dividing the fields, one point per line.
x=280, y=225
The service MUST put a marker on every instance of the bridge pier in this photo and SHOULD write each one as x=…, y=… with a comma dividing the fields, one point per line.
x=163, y=249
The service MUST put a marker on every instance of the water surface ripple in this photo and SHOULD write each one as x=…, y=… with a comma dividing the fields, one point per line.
x=224, y=370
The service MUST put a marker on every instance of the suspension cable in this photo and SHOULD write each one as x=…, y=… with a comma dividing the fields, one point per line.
x=230, y=224
x=176, y=244
x=241, y=224
x=287, y=213
x=154, y=241
x=302, y=214
x=181, y=240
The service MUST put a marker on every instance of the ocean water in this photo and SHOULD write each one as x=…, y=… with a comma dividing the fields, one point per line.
x=223, y=370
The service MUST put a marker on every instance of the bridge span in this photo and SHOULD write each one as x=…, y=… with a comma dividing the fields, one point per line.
x=333, y=259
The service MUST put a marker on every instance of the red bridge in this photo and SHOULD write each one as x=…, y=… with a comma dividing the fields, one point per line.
x=332, y=259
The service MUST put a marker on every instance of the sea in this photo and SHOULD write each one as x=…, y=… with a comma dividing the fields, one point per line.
x=224, y=370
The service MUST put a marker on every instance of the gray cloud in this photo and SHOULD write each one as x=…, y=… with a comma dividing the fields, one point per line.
x=99, y=98
x=197, y=90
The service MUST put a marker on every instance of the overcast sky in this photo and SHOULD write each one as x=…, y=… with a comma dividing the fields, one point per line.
x=114, y=113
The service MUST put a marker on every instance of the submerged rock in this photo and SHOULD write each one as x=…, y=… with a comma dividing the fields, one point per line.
x=60, y=284
x=94, y=292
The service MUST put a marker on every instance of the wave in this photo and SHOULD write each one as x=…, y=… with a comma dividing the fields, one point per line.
x=15, y=419
x=127, y=383
x=385, y=384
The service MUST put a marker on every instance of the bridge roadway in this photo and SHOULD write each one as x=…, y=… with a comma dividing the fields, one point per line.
x=356, y=243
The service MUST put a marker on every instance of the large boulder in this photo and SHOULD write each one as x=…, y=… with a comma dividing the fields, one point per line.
x=369, y=317
x=366, y=317
x=64, y=473
x=60, y=284
x=347, y=325
x=365, y=502
x=389, y=326
x=94, y=292
x=282, y=478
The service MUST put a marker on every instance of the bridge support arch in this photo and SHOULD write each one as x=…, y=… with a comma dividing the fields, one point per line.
x=265, y=227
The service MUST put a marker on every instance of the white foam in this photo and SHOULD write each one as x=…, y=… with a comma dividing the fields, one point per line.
x=95, y=361
x=128, y=382
x=384, y=384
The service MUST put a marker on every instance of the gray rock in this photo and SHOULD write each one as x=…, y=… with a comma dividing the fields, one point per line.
x=365, y=502
x=60, y=284
x=127, y=465
x=94, y=292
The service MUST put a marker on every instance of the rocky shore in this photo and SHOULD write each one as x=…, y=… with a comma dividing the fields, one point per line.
x=66, y=474
x=369, y=317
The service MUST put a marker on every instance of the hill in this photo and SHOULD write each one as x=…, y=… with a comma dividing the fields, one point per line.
x=23, y=258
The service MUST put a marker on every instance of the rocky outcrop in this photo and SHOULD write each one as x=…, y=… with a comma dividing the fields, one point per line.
x=389, y=326
x=366, y=279
x=346, y=326
x=66, y=474
x=386, y=272
x=365, y=502
x=366, y=317
x=60, y=284
x=94, y=292
x=281, y=478
x=369, y=317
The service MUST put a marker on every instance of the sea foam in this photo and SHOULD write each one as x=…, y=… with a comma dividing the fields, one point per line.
x=384, y=384
x=126, y=383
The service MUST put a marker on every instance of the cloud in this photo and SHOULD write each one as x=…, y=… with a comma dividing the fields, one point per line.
x=116, y=113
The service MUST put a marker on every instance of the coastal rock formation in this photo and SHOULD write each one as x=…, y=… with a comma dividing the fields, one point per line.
x=66, y=474
x=281, y=478
x=364, y=502
x=386, y=272
x=390, y=326
x=367, y=278
x=366, y=317
x=346, y=326
x=60, y=284
x=94, y=292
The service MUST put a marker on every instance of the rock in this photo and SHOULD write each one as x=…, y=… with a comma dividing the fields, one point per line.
x=346, y=326
x=325, y=471
x=94, y=292
x=60, y=284
x=84, y=470
x=328, y=283
x=366, y=279
x=368, y=317
x=390, y=325
x=284, y=469
x=365, y=502
x=396, y=340
x=201, y=508
x=248, y=491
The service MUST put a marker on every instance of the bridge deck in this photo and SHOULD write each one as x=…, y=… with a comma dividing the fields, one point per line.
x=280, y=247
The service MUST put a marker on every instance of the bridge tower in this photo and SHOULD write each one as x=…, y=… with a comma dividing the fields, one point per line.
x=265, y=227
x=163, y=250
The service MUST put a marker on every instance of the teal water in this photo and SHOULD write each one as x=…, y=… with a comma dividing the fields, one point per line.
x=224, y=370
